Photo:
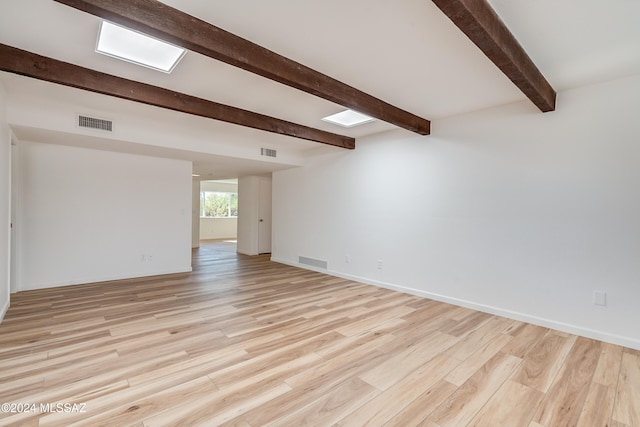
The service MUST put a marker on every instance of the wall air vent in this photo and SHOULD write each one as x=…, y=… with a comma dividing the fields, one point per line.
x=267, y=152
x=312, y=262
x=93, y=123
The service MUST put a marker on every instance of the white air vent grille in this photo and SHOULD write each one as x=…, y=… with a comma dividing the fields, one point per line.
x=267, y=152
x=312, y=262
x=93, y=123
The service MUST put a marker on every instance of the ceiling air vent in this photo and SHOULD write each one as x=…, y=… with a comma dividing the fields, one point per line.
x=267, y=152
x=93, y=123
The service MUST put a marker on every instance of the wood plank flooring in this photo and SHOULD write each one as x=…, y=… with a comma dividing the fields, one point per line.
x=243, y=341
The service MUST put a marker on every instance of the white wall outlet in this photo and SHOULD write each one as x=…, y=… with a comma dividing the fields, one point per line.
x=149, y=257
x=347, y=259
x=600, y=298
x=379, y=264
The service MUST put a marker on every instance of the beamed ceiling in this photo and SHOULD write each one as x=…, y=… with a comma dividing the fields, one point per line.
x=280, y=66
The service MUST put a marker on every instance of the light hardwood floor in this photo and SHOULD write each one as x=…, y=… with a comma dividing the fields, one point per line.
x=246, y=342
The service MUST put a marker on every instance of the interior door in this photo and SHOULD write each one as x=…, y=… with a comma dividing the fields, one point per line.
x=264, y=216
x=13, y=249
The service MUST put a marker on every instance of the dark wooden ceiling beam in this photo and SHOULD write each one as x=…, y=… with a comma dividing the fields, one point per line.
x=29, y=64
x=484, y=27
x=159, y=20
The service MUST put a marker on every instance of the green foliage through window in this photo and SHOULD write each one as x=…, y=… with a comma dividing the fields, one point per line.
x=214, y=204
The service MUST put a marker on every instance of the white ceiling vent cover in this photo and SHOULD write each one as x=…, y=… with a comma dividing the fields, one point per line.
x=268, y=152
x=93, y=123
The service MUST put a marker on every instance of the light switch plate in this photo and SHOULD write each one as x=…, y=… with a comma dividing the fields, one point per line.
x=600, y=298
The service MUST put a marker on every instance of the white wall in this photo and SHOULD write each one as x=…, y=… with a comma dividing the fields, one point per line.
x=88, y=215
x=5, y=205
x=220, y=186
x=218, y=228
x=506, y=210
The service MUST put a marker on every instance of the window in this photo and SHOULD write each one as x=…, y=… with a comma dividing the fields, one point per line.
x=214, y=204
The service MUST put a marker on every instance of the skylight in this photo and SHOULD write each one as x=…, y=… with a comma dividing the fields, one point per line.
x=138, y=48
x=348, y=118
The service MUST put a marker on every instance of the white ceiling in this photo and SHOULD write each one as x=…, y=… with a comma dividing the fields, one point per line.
x=405, y=52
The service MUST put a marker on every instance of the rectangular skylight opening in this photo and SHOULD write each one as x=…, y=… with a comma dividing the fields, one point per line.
x=348, y=118
x=137, y=48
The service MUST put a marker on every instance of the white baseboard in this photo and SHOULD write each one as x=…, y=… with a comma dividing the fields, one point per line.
x=243, y=252
x=86, y=280
x=523, y=317
x=3, y=310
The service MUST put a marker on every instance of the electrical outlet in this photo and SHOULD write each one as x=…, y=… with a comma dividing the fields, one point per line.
x=149, y=257
x=347, y=259
x=379, y=264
